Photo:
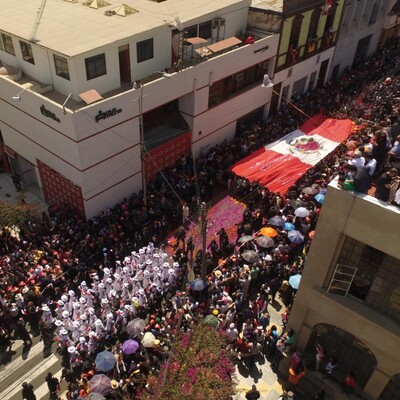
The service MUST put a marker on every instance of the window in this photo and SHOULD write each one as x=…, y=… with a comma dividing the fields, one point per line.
x=205, y=30
x=61, y=65
x=8, y=44
x=95, y=66
x=26, y=50
x=313, y=29
x=296, y=28
x=1, y=44
x=145, y=50
x=374, y=15
x=191, y=31
x=377, y=280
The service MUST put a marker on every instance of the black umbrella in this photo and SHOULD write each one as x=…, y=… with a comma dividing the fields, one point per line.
x=265, y=241
x=245, y=239
x=250, y=256
x=276, y=221
x=135, y=327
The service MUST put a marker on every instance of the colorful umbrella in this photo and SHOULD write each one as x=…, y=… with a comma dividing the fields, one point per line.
x=295, y=237
x=135, y=327
x=100, y=383
x=130, y=346
x=288, y=226
x=301, y=212
x=267, y=231
x=250, y=256
x=211, y=320
x=105, y=361
x=245, y=239
x=148, y=340
x=198, y=285
x=265, y=242
x=319, y=198
x=294, y=281
x=276, y=221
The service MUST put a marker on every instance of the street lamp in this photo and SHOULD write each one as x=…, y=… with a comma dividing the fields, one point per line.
x=140, y=85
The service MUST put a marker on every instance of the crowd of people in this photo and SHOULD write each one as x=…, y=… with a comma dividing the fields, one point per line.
x=93, y=286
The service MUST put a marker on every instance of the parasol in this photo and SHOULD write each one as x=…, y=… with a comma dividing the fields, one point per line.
x=301, y=212
x=288, y=226
x=211, y=320
x=105, y=361
x=295, y=237
x=265, y=242
x=245, y=239
x=148, y=340
x=100, y=383
x=276, y=221
x=267, y=231
x=310, y=190
x=135, y=327
x=250, y=256
x=198, y=285
x=319, y=198
x=294, y=281
x=130, y=346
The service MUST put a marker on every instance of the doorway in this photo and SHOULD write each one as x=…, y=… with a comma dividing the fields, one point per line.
x=322, y=73
x=124, y=63
x=362, y=50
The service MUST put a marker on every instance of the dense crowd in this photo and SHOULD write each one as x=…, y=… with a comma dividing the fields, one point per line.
x=100, y=285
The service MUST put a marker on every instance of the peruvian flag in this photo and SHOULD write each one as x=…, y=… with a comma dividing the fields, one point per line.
x=327, y=6
x=280, y=164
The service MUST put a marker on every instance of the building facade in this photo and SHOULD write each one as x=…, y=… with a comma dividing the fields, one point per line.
x=87, y=110
x=349, y=297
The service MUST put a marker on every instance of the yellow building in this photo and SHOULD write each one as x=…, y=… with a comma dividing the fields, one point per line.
x=349, y=297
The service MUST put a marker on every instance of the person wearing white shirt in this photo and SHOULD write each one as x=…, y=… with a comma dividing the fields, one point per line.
x=370, y=163
x=358, y=161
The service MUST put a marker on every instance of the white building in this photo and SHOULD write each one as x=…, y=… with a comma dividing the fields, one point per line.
x=365, y=23
x=56, y=53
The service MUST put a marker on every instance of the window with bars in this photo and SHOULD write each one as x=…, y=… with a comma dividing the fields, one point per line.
x=8, y=44
x=61, y=66
x=95, y=66
x=26, y=50
x=145, y=50
x=376, y=280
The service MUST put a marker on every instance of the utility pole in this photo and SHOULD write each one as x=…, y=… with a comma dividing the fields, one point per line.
x=203, y=222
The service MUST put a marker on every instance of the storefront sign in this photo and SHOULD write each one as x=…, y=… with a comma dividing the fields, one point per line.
x=44, y=111
x=107, y=114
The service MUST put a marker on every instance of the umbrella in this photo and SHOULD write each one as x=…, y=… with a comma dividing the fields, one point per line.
x=288, y=226
x=294, y=281
x=297, y=203
x=95, y=396
x=311, y=234
x=301, y=212
x=100, y=384
x=198, y=285
x=250, y=256
x=105, y=361
x=211, y=320
x=130, y=346
x=148, y=339
x=295, y=237
x=135, y=327
x=245, y=239
x=265, y=241
x=276, y=221
x=310, y=190
x=319, y=198
x=267, y=231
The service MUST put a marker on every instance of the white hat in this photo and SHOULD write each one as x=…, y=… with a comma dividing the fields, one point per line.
x=57, y=322
x=176, y=264
x=117, y=276
x=65, y=314
x=141, y=291
x=83, y=283
x=83, y=317
x=71, y=349
x=232, y=326
x=126, y=260
x=104, y=301
x=148, y=261
x=92, y=333
x=82, y=339
x=171, y=271
x=164, y=255
x=156, y=255
x=112, y=293
x=82, y=300
x=126, y=284
x=146, y=273
x=64, y=298
x=91, y=310
x=135, y=299
x=125, y=270
x=156, y=269
x=75, y=304
x=110, y=316
x=101, y=285
x=118, y=262
x=45, y=308
x=96, y=278
x=166, y=264
x=76, y=324
x=60, y=302
x=98, y=322
x=141, y=251
x=25, y=289
x=128, y=307
x=71, y=293
x=63, y=331
x=109, y=280
x=107, y=271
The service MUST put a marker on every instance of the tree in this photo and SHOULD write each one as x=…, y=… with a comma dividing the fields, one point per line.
x=18, y=215
x=199, y=368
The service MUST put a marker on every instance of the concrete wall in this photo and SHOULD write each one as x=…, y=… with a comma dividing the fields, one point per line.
x=365, y=219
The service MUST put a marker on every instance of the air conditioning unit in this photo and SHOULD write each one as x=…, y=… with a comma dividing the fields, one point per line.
x=218, y=22
x=264, y=66
x=238, y=77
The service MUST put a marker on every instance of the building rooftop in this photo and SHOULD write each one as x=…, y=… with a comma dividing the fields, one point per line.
x=73, y=27
x=270, y=5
